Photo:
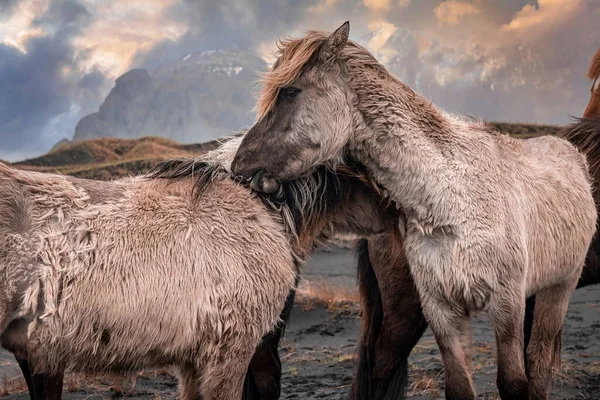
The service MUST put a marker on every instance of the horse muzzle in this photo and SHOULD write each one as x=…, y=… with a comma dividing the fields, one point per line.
x=265, y=183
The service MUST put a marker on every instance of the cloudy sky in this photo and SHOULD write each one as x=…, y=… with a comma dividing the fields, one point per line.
x=506, y=60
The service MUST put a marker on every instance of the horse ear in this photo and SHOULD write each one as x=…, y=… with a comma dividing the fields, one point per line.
x=335, y=43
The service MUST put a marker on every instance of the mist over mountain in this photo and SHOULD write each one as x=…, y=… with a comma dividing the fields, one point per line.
x=198, y=97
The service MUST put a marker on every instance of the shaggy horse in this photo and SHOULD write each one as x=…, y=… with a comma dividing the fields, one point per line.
x=388, y=337
x=490, y=219
x=116, y=276
x=392, y=319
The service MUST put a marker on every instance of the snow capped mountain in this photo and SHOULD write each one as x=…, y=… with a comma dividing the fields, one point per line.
x=197, y=97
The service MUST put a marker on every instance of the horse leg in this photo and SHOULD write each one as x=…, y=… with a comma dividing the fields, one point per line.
x=48, y=387
x=466, y=341
x=550, y=310
x=507, y=313
x=402, y=327
x=263, y=379
x=392, y=320
x=223, y=379
x=41, y=386
x=24, y=365
x=446, y=324
x=189, y=382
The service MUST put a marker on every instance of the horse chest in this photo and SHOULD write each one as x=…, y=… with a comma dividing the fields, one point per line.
x=442, y=271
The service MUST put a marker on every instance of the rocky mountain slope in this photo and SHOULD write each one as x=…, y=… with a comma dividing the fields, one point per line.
x=196, y=98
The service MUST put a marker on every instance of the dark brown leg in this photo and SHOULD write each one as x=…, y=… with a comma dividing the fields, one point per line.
x=403, y=320
x=393, y=321
x=41, y=386
x=263, y=379
x=48, y=387
x=24, y=365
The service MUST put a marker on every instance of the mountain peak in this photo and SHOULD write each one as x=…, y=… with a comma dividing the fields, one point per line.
x=196, y=97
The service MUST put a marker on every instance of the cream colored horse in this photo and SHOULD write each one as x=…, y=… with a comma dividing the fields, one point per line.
x=490, y=219
x=182, y=267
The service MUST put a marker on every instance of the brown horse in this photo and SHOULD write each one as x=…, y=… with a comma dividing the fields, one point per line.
x=307, y=210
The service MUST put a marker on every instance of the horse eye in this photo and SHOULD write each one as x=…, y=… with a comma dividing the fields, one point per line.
x=289, y=92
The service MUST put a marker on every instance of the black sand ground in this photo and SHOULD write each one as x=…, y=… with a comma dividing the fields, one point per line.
x=318, y=352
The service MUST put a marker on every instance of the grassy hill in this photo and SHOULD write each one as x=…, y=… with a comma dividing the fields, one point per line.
x=109, y=158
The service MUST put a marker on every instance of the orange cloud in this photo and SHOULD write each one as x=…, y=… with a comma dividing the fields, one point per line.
x=452, y=11
x=378, y=5
x=16, y=30
x=122, y=29
x=542, y=18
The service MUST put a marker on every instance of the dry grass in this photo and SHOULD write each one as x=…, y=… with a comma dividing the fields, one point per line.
x=120, y=386
x=11, y=386
x=109, y=158
x=334, y=297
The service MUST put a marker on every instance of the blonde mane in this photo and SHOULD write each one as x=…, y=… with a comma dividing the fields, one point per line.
x=292, y=54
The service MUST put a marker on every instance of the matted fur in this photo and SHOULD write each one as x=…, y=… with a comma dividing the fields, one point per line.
x=302, y=203
x=585, y=134
x=180, y=267
x=490, y=219
x=147, y=276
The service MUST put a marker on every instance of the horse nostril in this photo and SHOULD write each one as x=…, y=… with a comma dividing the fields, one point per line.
x=256, y=177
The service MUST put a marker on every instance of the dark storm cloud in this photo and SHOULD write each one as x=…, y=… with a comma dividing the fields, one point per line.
x=6, y=6
x=226, y=24
x=35, y=86
x=476, y=66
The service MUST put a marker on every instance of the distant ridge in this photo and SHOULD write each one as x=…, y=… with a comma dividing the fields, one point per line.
x=110, y=158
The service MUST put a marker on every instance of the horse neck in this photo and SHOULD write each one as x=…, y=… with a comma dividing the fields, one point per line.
x=405, y=142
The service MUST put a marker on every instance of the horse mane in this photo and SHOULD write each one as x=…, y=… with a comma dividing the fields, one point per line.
x=594, y=69
x=293, y=55
x=181, y=168
x=298, y=202
x=584, y=133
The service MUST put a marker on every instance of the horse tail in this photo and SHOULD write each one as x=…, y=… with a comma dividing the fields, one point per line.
x=372, y=319
x=594, y=69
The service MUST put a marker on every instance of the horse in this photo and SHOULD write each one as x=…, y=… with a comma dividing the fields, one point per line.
x=152, y=270
x=489, y=219
x=386, y=343
x=392, y=319
x=388, y=337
